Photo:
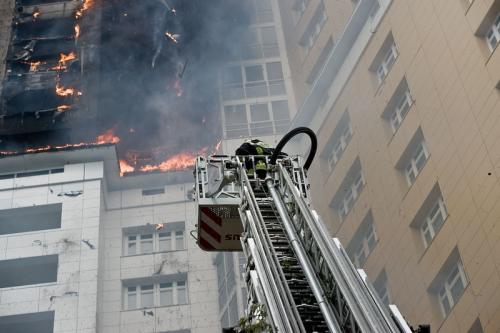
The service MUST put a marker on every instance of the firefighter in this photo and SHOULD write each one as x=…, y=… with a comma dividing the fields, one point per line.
x=258, y=149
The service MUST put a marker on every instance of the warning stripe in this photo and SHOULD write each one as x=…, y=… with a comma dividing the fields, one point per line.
x=208, y=212
x=205, y=245
x=215, y=235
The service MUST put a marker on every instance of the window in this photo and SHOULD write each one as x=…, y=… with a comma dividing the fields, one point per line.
x=173, y=293
x=385, y=59
x=363, y=241
x=153, y=191
x=314, y=28
x=146, y=243
x=349, y=191
x=493, y=34
x=400, y=111
x=262, y=11
x=31, y=173
x=142, y=240
x=28, y=271
x=39, y=322
x=166, y=291
x=338, y=142
x=352, y=192
x=398, y=106
x=320, y=63
x=433, y=222
x=236, y=120
x=299, y=9
x=254, y=73
x=449, y=283
x=26, y=219
x=260, y=42
x=416, y=162
x=380, y=286
x=452, y=288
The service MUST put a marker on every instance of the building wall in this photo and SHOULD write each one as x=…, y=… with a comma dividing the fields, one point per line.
x=94, y=268
x=74, y=296
x=129, y=208
x=453, y=80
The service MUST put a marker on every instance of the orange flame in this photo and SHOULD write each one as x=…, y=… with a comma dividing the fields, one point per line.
x=62, y=91
x=171, y=37
x=34, y=65
x=180, y=161
x=86, y=6
x=159, y=226
x=36, y=13
x=107, y=137
x=62, y=108
x=63, y=59
x=125, y=167
x=77, y=31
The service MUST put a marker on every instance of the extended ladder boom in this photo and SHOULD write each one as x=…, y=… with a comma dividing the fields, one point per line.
x=303, y=277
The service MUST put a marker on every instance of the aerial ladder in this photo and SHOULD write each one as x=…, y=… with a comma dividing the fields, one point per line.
x=302, y=277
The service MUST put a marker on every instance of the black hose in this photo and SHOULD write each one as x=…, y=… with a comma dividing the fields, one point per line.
x=288, y=137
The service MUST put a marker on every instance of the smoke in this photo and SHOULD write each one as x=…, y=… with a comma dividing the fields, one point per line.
x=159, y=65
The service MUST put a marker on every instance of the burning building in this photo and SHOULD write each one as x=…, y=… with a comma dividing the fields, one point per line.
x=96, y=96
x=145, y=71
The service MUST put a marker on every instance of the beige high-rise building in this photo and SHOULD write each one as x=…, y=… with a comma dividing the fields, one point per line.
x=404, y=96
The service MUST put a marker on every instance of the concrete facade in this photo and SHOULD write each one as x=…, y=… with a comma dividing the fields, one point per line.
x=406, y=107
x=95, y=270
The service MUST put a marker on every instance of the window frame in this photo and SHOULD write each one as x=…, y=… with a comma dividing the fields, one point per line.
x=428, y=223
x=445, y=290
x=136, y=239
x=494, y=30
x=350, y=197
x=339, y=146
x=137, y=292
x=412, y=166
x=385, y=65
x=397, y=116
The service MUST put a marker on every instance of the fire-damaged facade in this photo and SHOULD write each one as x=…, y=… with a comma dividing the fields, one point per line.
x=50, y=65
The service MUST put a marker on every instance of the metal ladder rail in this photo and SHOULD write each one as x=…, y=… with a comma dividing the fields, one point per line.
x=352, y=296
x=304, y=261
x=299, y=286
x=297, y=283
x=272, y=268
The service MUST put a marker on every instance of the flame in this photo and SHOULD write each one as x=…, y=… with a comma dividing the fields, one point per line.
x=36, y=13
x=180, y=161
x=62, y=91
x=107, y=137
x=159, y=226
x=125, y=167
x=171, y=37
x=63, y=59
x=86, y=6
x=34, y=65
x=62, y=108
x=77, y=31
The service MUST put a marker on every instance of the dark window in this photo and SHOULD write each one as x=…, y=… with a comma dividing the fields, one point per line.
x=26, y=271
x=27, y=219
x=32, y=173
x=40, y=322
x=153, y=191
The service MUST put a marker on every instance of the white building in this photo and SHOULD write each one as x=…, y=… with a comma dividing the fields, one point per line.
x=79, y=249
